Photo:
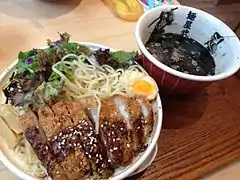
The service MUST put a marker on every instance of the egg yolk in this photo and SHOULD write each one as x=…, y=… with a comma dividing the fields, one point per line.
x=142, y=87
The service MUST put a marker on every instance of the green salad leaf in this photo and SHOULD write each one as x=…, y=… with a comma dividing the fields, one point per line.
x=26, y=62
x=24, y=55
x=45, y=92
x=118, y=59
x=75, y=48
x=123, y=57
x=66, y=70
x=69, y=48
x=51, y=89
x=30, y=68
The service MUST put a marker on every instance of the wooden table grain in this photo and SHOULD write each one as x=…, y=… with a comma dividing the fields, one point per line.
x=200, y=134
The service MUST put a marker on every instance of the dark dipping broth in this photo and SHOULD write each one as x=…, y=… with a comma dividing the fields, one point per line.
x=181, y=53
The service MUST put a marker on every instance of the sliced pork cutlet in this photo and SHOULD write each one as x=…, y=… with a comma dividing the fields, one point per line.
x=130, y=110
x=115, y=135
x=67, y=149
x=41, y=146
x=91, y=108
x=90, y=141
x=148, y=116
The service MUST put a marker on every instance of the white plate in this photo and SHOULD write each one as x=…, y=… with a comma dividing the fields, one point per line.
x=120, y=173
x=147, y=162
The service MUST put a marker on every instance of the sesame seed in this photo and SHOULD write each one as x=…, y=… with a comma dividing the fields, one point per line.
x=138, y=127
x=60, y=134
x=115, y=148
x=113, y=125
x=121, y=129
x=46, y=147
x=55, y=137
x=101, y=125
x=96, y=155
x=102, y=165
x=74, y=144
x=118, y=139
x=49, y=139
x=97, y=161
x=91, y=149
x=111, y=150
x=128, y=145
x=114, y=140
x=73, y=138
x=70, y=135
x=86, y=153
x=57, y=172
x=90, y=156
x=109, y=160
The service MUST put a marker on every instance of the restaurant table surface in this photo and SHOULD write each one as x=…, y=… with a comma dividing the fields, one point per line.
x=25, y=24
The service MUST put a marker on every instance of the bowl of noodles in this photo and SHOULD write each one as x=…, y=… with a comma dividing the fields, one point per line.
x=77, y=110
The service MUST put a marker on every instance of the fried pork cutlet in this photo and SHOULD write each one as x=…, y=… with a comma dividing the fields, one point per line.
x=64, y=143
x=115, y=136
x=41, y=146
x=130, y=110
x=63, y=135
x=90, y=141
x=148, y=116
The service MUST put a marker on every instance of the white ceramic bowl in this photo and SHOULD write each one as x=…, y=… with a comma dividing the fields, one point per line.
x=120, y=173
x=226, y=57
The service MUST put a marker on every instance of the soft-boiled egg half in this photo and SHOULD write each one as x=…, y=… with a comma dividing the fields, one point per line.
x=139, y=83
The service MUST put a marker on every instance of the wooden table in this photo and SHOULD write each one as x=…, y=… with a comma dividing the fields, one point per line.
x=25, y=24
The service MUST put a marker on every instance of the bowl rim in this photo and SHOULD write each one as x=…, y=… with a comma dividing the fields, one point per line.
x=169, y=70
x=133, y=167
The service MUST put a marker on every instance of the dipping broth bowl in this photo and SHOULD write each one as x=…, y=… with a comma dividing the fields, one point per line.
x=202, y=28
